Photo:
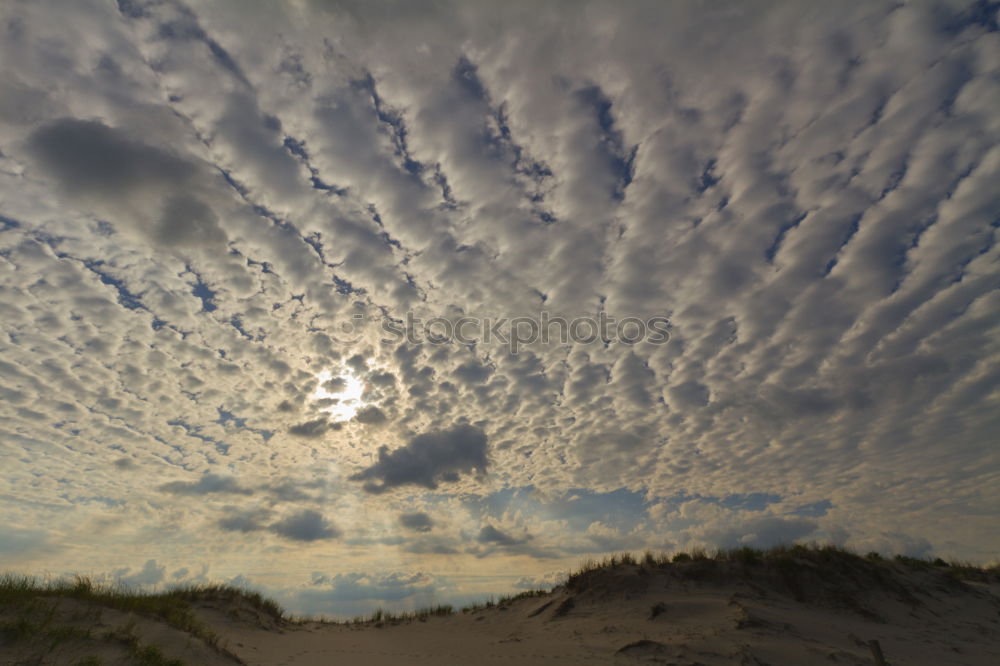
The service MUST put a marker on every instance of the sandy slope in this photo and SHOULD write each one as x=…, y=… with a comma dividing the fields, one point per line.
x=728, y=618
x=786, y=611
x=114, y=637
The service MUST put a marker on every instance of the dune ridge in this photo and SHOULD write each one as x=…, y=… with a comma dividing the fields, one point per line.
x=787, y=605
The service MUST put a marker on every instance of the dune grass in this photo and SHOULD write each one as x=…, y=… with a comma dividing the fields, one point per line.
x=380, y=616
x=503, y=600
x=173, y=607
x=31, y=613
x=787, y=560
x=141, y=654
x=34, y=601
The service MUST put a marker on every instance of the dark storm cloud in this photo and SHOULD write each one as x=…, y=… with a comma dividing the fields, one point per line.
x=207, y=484
x=428, y=459
x=418, y=521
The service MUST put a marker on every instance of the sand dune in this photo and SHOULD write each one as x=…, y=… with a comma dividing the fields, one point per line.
x=800, y=608
x=689, y=614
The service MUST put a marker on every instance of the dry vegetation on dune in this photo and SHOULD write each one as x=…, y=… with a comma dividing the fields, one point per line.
x=786, y=562
x=79, y=622
x=828, y=575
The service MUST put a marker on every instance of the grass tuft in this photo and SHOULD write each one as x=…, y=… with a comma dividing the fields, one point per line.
x=380, y=616
x=821, y=573
x=31, y=603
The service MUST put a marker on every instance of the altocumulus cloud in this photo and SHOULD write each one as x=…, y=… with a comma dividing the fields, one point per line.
x=808, y=195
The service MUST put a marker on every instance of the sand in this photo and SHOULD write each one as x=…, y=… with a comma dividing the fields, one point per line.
x=703, y=613
x=636, y=616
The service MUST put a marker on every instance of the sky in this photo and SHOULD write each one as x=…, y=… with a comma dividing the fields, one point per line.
x=396, y=303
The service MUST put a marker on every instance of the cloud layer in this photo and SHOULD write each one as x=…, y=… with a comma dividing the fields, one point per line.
x=210, y=216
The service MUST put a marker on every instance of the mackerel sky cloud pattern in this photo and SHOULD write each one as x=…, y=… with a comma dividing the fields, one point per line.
x=209, y=210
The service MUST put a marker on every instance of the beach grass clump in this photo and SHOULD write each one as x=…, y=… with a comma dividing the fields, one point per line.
x=229, y=593
x=35, y=612
x=142, y=654
x=173, y=605
x=795, y=568
x=381, y=616
x=504, y=600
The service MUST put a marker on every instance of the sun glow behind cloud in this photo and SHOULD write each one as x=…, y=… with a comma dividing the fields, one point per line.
x=342, y=391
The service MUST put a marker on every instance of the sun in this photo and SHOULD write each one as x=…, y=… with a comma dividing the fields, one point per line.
x=344, y=389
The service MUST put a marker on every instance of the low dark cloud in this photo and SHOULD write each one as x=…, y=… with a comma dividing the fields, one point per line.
x=382, y=379
x=491, y=535
x=335, y=384
x=431, y=546
x=764, y=532
x=545, y=582
x=110, y=168
x=125, y=464
x=429, y=459
x=370, y=415
x=86, y=156
x=306, y=525
x=382, y=587
x=491, y=540
x=896, y=543
x=186, y=220
x=151, y=573
x=206, y=485
x=290, y=490
x=310, y=429
x=472, y=372
x=418, y=522
x=243, y=520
